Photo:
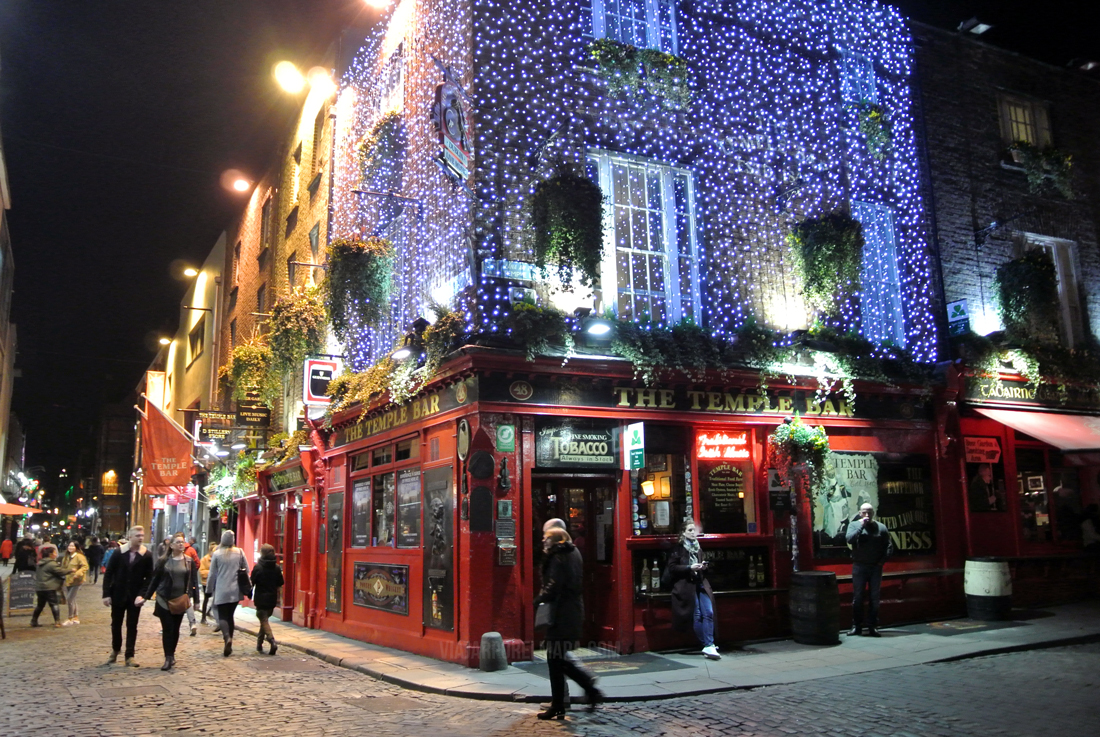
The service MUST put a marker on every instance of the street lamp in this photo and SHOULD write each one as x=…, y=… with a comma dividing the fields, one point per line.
x=289, y=78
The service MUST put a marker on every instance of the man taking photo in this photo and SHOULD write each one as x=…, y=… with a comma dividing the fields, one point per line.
x=871, y=546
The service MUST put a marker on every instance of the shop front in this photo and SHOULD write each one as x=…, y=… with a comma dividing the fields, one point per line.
x=1031, y=471
x=429, y=514
x=281, y=526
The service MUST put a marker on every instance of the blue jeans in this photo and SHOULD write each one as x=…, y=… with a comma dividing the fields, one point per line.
x=704, y=617
x=870, y=577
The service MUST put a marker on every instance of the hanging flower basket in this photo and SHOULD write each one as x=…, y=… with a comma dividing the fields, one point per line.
x=297, y=328
x=357, y=284
x=799, y=452
x=1027, y=298
x=828, y=256
x=379, y=145
x=250, y=369
x=567, y=218
x=1044, y=166
x=629, y=71
x=875, y=127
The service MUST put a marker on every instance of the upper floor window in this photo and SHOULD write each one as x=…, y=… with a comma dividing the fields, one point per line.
x=292, y=270
x=880, y=284
x=237, y=263
x=196, y=340
x=267, y=231
x=315, y=240
x=650, y=269
x=641, y=23
x=857, y=78
x=392, y=89
x=261, y=298
x=318, y=132
x=1024, y=119
x=1063, y=253
x=233, y=334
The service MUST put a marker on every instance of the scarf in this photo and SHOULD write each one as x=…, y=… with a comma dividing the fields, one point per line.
x=693, y=550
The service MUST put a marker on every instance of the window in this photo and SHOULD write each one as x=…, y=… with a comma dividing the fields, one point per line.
x=662, y=489
x=195, y=340
x=360, y=512
x=297, y=155
x=291, y=222
x=642, y=23
x=385, y=509
x=857, y=78
x=236, y=267
x=650, y=257
x=318, y=132
x=392, y=96
x=267, y=232
x=291, y=270
x=880, y=286
x=233, y=333
x=261, y=298
x=1024, y=119
x=315, y=241
x=1063, y=253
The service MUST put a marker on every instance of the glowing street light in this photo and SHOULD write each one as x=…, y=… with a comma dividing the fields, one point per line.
x=190, y=271
x=289, y=78
x=321, y=81
x=241, y=185
x=165, y=341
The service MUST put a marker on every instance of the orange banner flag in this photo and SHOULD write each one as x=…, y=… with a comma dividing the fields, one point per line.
x=165, y=450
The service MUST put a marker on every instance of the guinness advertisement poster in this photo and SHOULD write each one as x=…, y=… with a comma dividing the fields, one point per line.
x=576, y=444
x=438, y=549
x=381, y=586
x=360, y=513
x=898, y=486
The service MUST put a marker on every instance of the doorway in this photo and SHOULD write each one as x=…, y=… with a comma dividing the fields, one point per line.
x=587, y=504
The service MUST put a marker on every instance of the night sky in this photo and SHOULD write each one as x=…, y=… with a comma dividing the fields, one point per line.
x=118, y=117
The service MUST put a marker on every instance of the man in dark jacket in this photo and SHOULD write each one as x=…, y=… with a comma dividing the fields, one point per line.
x=26, y=554
x=124, y=582
x=94, y=554
x=871, y=546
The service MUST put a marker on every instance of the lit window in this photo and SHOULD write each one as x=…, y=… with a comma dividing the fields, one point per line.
x=880, y=286
x=650, y=256
x=641, y=23
x=1024, y=119
x=857, y=78
x=196, y=339
x=1064, y=256
x=392, y=97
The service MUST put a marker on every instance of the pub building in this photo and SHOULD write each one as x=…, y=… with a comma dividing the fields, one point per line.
x=1031, y=468
x=419, y=526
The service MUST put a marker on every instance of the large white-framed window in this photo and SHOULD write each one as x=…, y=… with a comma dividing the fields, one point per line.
x=650, y=267
x=1023, y=119
x=1064, y=254
x=883, y=317
x=646, y=24
x=392, y=88
x=857, y=78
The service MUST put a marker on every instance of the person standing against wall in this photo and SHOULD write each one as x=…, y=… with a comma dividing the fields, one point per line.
x=692, y=597
x=871, y=546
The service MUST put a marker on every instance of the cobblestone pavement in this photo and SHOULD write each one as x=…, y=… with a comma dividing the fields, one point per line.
x=55, y=684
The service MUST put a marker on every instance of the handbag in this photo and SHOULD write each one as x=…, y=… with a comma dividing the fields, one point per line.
x=179, y=605
x=544, y=615
x=244, y=583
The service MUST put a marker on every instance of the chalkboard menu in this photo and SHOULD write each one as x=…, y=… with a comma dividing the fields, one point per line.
x=21, y=590
x=723, y=489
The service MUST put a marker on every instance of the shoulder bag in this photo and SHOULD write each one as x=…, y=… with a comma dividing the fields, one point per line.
x=244, y=583
x=544, y=615
x=181, y=603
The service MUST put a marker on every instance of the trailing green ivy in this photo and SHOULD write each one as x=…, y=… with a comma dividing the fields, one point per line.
x=250, y=368
x=631, y=70
x=567, y=217
x=827, y=253
x=1043, y=166
x=1038, y=363
x=379, y=145
x=297, y=328
x=875, y=127
x=231, y=481
x=357, y=284
x=536, y=329
x=1028, y=299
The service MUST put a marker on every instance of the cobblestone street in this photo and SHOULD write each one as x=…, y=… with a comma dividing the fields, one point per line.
x=57, y=684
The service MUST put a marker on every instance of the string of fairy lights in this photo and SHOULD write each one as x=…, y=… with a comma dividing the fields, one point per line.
x=771, y=136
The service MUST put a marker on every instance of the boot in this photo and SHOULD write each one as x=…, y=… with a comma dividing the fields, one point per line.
x=274, y=647
x=260, y=643
x=168, y=663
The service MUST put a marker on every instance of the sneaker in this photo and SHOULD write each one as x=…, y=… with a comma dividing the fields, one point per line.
x=67, y=622
x=131, y=663
x=194, y=630
x=711, y=653
x=113, y=657
x=76, y=620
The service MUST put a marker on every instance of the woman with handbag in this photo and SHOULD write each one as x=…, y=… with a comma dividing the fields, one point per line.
x=563, y=591
x=267, y=577
x=692, y=597
x=227, y=583
x=175, y=581
x=77, y=564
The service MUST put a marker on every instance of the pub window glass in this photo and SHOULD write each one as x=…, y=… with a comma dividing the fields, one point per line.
x=1034, y=498
x=407, y=449
x=662, y=490
x=385, y=509
x=383, y=455
x=1066, y=495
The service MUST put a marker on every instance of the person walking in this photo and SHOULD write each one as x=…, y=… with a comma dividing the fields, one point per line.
x=77, y=564
x=175, y=581
x=194, y=558
x=48, y=578
x=224, y=585
x=267, y=579
x=563, y=589
x=26, y=554
x=111, y=549
x=124, y=584
x=6, y=549
x=692, y=596
x=204, y=575
x=871, y=546
x=94, y=554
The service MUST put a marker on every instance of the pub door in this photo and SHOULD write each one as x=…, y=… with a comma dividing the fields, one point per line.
x=587, y=504
x=286, y=542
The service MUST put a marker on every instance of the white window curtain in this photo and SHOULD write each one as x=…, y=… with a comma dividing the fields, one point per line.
x=650, y=271
x=883, y=318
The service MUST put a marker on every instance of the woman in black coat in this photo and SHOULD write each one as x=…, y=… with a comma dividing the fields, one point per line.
x=563, y=589
x=267, y=577
x=175, y=575
x=692, y=597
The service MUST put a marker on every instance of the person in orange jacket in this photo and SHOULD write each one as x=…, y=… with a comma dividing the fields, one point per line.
x=5, y=551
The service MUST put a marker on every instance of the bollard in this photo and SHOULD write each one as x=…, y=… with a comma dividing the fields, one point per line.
x=492, y=655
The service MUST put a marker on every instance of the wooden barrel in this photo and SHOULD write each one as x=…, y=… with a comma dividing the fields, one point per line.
x=815, y=608
x=987, y=583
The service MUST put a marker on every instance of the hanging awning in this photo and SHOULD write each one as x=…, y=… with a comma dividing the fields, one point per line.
x=1069, y=433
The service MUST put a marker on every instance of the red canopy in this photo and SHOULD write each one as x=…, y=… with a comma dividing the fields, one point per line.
x=15, y=509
